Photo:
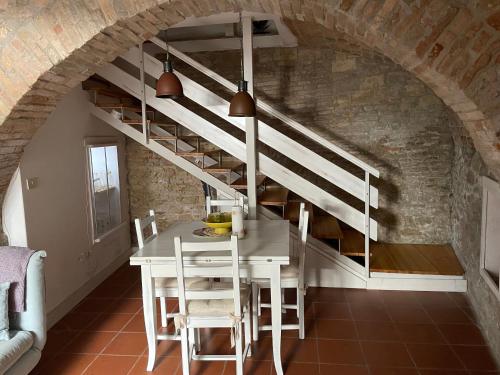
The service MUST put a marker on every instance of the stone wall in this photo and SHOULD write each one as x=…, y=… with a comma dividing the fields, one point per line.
x=155, y=183
x=372, y=108
x=466, y=205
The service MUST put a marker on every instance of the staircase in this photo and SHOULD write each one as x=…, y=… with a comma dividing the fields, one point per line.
x=123, y=96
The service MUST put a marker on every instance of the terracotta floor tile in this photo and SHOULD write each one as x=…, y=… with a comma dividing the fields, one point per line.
x=262, y=349
x=136, y=324
x=110, y=364
x=325, y=295
x=444, y=372
x=297, y=368
x=393, y=371
x=340, y=352
x=460, y=299
x=95, y=305
x=204, y=368
x=386, y=354
x=376, y=313
x=90, y=342
x=435, y=299
x=408, y=314
x=163, y=366
x=58, y=340
x=419, y=333
x=399, y=298
x=67, y=364
x=343, y=369
x=378, y=331
x=217, y=344
x=462, y=334
x=167, y=348
x=295, y=350
x=250, y=367
x=335, y=329
x=325, y=310
x=76, y=321
x=448, y=315
x=363, y=297
x=109, y=322
x=126, y=305
x=127, y=343
x=434, y=356
x=476, y=357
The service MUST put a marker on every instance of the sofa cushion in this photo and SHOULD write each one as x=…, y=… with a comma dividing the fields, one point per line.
x=11, y=350
x=4, y=311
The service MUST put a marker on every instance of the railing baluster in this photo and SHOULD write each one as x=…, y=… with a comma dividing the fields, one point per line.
x=145, y=128
x=367, y=224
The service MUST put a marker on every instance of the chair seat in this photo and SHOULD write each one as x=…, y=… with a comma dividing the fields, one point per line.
x=217, y=307
x=14, y=348
x=288, y=272
x=171, y=282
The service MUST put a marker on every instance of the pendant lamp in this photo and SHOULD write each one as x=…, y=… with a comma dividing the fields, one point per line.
x=168, y=85
x=242, y=104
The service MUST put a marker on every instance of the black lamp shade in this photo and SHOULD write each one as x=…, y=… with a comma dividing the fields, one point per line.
x=242, y=104
x=168, y=85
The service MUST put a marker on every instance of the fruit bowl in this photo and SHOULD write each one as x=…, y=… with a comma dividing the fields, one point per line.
x=219, y=221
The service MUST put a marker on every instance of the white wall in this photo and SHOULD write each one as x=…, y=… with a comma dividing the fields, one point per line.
x=58, y=208
x=13, y=218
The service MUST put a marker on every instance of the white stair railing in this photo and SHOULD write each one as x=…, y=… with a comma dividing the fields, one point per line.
x=268, y=135
x=235, y=147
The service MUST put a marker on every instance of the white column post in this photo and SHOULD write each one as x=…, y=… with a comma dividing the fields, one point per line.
x=250, y=122
x=145, y=129
x=367, y=224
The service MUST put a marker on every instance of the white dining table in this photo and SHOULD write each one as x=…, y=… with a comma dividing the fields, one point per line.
x=262, y=252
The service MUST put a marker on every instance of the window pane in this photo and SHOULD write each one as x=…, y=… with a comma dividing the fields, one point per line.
x=105, y=188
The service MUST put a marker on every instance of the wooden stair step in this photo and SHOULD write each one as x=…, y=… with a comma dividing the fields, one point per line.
x=274, y=196
x=241, y=183
x=134, y=122
x=163, y=137
x=190, y=154
x=125, y=107
x=292, y=209
x=224, y=168
x=326, y=227
x=352, y=243
x=106, y=91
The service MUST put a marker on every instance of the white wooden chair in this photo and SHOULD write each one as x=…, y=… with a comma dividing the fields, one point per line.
x=164, y=287
x=292, y=276
x=221, y=305
x=228, y=203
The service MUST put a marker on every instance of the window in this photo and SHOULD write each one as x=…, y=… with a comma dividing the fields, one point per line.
x=490, y=235
x=105, y=188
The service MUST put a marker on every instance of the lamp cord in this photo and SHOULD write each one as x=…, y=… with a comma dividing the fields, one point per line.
x=241, y=49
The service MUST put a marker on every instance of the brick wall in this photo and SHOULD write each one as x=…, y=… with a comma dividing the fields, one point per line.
x=468, y=167
x=373, y=108
x=155, y=183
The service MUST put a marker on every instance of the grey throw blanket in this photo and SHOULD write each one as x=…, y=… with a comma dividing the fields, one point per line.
x=13, y=264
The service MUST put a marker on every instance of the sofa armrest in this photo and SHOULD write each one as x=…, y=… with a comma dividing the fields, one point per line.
x=34, y=317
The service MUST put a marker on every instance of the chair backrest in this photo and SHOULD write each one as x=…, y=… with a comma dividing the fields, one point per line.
x=141, y=224
x=224, y=270
x=228, y=203
x=303, y=225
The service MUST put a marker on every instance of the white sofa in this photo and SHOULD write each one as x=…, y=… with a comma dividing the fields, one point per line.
x=28, y=329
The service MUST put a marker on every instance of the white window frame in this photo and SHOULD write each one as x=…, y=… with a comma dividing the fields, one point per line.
x=489, y=187
x=90, y=142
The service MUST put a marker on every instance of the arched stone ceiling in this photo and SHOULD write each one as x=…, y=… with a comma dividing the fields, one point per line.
x=49, y=46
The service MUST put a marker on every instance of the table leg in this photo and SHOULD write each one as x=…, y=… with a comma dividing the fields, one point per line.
x=149, y=307
x=276, y=317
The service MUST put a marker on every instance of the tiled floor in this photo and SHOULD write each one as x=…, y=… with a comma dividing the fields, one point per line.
x=348, y=332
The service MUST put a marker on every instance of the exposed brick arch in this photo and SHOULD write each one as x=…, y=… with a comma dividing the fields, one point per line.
x=50, y=46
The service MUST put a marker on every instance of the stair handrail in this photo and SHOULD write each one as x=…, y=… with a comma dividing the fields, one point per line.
x=269, y=109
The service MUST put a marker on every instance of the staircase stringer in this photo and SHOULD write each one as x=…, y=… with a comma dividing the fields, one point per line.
x=236, y=148
x=268, y=135
x=163, y=151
